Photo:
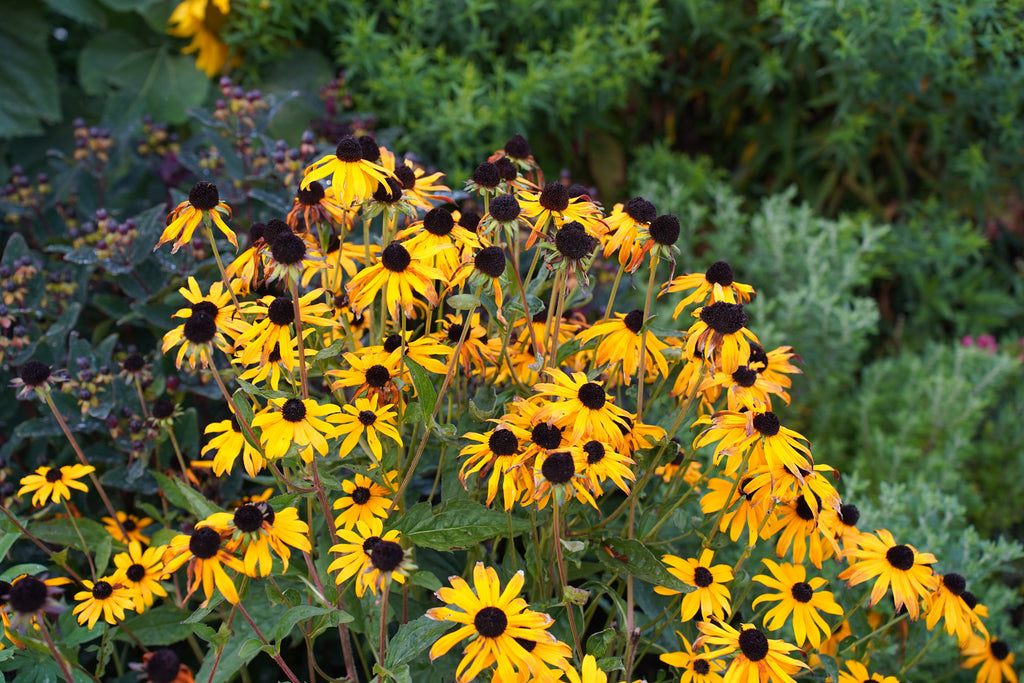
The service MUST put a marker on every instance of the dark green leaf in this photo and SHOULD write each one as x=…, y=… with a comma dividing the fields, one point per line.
x=413, y=638
x=461, y=524
x=185, y=497
x=158, y=626
x=304, y=612
x=424, y=386
x=641, y=564
x=27, y=71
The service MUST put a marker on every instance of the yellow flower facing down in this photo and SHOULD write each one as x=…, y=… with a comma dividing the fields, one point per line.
x=715, y=284
x=494, y=620
x=797, y=597
x=296, y=422
x=54, y=483
x=201, y=20
x=371, y=555
x=353, y=179
x=893, y=565
x=952, y=602
x=258, y=528
x=710, y=595
x=203, y=205
x=107, y=598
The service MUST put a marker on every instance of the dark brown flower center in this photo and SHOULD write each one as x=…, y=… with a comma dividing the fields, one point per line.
x=406, y=176
x=490, y=261
x=546, y=436
x=248, y=518
x=367, y=417
x=665, y=230
x=634, y=320
x=802, y=591
x=900, y=557
x=592, y=396
x=720, y=273
x=954, y=583
x=767, y=423
x=27, y=595
x=361, y=495
x=369, y=544
x=288, y=249
x=349, y=150
x=701, y=667
x=999, y=649
x=573, y=242
x=594, y=451
x=640, y=210
x=558, y=468
x=753, y=644
x=53, y=475
x=101, y=590
x=702, y=577
x=724, y=318
x=135, y=573
x=311, y=196
x=207, y=307
x=395, y=258
x=438, y=222
x=386, y=556
x=163, y=666
x=200, y=328
x=487, y=175
x=505, y=208
x=281, y=311
x=849, y=514
x=204, y=196
x=744, y=377
x=490, y=622
x=205, y=543
x=554, y=197
x=293, y=410
x=503, y=442
x=377, y=376
x=517, y=147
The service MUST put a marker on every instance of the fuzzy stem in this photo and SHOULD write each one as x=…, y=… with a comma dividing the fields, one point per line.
x=44, y=629
x=293, y=285
x=259, y=634
x=556, y=524
x=220, y=264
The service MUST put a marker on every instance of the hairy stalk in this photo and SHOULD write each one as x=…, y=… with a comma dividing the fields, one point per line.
x=259, y=634
x=611, y=297
x=557, y=531
x=300, y=344
x=44, y=629
x=220, y=264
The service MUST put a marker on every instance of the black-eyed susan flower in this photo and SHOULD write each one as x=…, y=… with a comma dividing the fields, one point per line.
x=162, y=666
x=313, y=208
x=603, y=462
x=200, y=20
x=585, y=407
x=28, y=599
x=275, y=318
x=552, y=208
x=356, y=556
x=364, y=499
x=749, y=514
x=203, y=205
x=493, y=619
x=54, y=483
x=141, y=571
x=373, y=373
x=842, y=520
x=858, y=673
x=696, y=666
x=546, y=662
x=365, y=419
x=571, y=250
x=292, y=258
x=798, y=597
x=206, y=551
x=774, y=365
x=210, y=321
x=758, y=660
x=619, y=346
x=892, y=565
x=715, y=284
x=488, y=273
x=107, y=598
x=947, y=602
x=423, y=351
x=658, y=238
x=720, y=335
x=745, y=389
x=228, y=444
x=801, y=529
x=132, y=525
x=624, y=225
x=710, y=595
x=257, y=529
x=485, y=180
x=439, y=229
x=353, y=178
x=36, y=377
x=295, y=421
x=993, y=655
x=400, y=274
x=478, y=353
x=559, y=473
x=772, y=444
x=497, y=456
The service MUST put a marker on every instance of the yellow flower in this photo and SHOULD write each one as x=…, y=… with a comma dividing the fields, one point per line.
x=228, y=445
x=209, y=320
x=206, y=553
x=296, y=422
x=141, y=571
x=586, y=407
x=620, y=343
x=107, y=598
x=258, y=529
x=203, y=205
x=715, y=284
x=494, y=619
x=949, y=601
x=54, y=483
x=370, y=555
x=401, y=273
x=994, y=656
x=859, y=674
x=274, y=329
x=366, y=500
x=589, y=673
x=891, y=564
x=720, y=335
x=365, y=418
x=759, y=660
x=798, y=597
x=133, y=526
x=353, y=179
x=697, y=667
x=201, y=20
x=710, y=595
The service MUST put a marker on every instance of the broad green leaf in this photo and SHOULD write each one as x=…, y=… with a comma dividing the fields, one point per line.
x=158, y=626
x=28, y=72
x=640, y=563
x=304, y=612
x=461, y=524
x=424, y=387
x=62, y=533
x=463, y=302
x=185, y=497
x=413, y=638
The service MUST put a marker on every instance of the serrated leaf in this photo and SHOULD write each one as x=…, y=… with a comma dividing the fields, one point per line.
x=413, y=638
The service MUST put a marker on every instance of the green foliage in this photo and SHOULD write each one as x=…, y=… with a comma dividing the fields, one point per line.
x=860, y=103
x=459, y=76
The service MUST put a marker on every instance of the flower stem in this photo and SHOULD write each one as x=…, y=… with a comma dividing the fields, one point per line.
x=81, y=456
x=220, y=264
x=259, y=634
x=44, y=629
x=383, y=634
x=563, y=582
x=293, y=285
x=611, y=297
x=641, y=372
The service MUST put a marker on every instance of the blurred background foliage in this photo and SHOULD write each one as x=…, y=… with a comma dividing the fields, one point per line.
x=859, y=163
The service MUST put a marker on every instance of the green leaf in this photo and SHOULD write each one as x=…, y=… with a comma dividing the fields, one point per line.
x=142, y=79
x=158, y=626
x=424, y=387
x=413, y=638
x=28, y=72
x=82, y=11
x=185, y=497
x=640, y=563
x=61, y=532
x=244, y=411
x=463, y=302
x=598, y=643
x=7, y=540
x=461, y=524
x=304, y=612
